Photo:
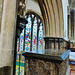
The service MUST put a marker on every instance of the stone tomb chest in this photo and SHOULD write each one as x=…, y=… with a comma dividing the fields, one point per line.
x=46, y=62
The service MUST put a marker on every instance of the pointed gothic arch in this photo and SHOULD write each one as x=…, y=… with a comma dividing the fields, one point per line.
x=30, y=38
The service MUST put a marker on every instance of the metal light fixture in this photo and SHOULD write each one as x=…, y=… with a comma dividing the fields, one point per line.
x=21, y=19
x=21, y=24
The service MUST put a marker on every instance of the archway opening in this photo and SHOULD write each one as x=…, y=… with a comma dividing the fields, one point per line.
x=30, y=38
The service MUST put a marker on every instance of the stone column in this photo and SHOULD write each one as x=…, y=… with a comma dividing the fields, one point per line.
x=74, y=26
x=69, y=27
x=8, y=35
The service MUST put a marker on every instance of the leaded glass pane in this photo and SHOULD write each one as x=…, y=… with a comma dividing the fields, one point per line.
x=21, y=40
x=38, y=20
x=34, y=37
x=17, y=44
x=28, y=34
x=40, y=37
x=32, y=15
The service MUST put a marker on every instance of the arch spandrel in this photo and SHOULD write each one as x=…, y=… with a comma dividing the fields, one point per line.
x=30, y=10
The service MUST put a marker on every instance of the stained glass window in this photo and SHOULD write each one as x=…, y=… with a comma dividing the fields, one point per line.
x=28, y=34
x=21, y=40
x=17, y=64
x=31, y=38
x=17, y=44
x=40, y=37
x=34, y=37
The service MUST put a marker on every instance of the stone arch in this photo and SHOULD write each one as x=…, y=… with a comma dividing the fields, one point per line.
x=30, y=10
x=27, y=11
x=52, y=16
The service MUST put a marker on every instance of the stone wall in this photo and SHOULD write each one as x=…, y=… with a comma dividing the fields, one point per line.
x=1, y=4
x=1, y=7
x=8, y=27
